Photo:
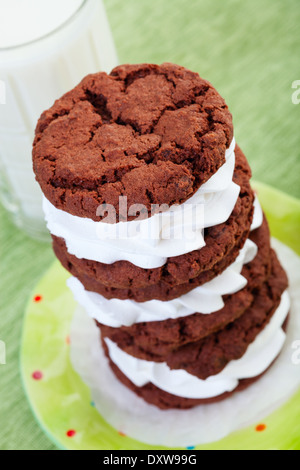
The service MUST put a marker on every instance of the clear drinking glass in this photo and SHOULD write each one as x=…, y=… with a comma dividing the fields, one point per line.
x=62, y=41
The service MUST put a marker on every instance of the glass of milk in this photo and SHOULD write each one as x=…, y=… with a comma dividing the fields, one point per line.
x=46, y=48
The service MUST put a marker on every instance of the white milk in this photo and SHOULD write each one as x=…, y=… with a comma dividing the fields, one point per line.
x=46, y=48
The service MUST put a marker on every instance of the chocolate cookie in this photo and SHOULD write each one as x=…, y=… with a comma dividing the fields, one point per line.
x=208, y=356
x=162, y=337
x=152, y=133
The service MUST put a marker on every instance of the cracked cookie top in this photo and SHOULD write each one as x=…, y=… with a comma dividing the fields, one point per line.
x=152, y=133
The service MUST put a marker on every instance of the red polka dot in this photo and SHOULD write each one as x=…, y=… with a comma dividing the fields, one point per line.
x=122, y=434
x=261, y=427
x=37, y=375
x=71, y=433
x=38, y=298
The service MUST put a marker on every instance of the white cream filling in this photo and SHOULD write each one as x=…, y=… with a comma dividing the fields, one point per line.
x=258, y=357
x=205, y=299
x=148, y=243
x=258, y=215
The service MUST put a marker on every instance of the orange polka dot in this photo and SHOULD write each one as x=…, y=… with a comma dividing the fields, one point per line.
x=122, y=434
x=261, y=427
x=68, y=341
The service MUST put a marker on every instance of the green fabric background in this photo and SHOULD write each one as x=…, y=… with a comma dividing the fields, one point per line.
x=250, y=51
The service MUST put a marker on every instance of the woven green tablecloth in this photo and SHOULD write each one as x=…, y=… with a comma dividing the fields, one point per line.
x=250, y=51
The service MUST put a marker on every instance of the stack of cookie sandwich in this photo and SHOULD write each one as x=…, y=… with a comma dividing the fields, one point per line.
x=148, y=201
